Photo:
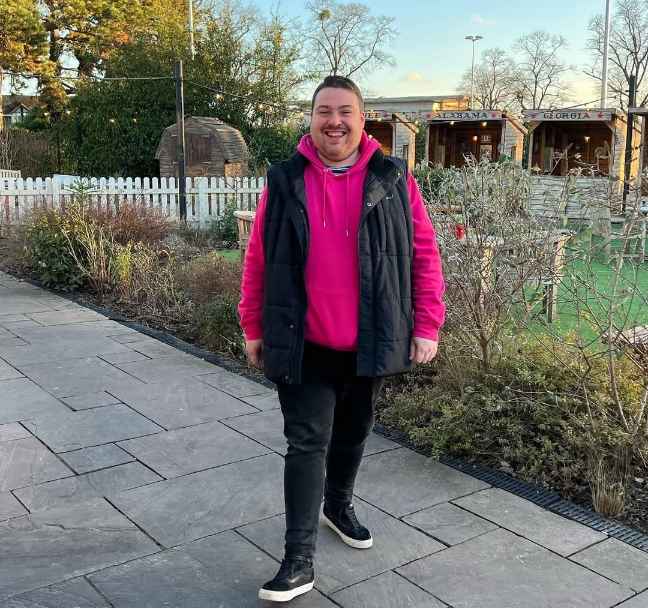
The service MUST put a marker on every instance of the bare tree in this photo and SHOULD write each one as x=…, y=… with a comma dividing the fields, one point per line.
x=346, y=39
x=495, y=80
x=540, y=70
x=628, y=51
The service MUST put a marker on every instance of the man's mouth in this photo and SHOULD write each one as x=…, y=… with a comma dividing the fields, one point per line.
x=335, y=133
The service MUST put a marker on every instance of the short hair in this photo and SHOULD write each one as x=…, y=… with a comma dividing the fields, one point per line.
x=339, y=82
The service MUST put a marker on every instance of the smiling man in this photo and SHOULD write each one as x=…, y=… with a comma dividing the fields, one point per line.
x=342, y=286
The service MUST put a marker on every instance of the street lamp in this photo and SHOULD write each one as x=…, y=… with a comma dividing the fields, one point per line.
x=474, y=39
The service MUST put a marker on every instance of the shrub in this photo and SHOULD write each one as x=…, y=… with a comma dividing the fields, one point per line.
x=134, y=222
x=210, y=276
x=52, y=250
x=537, y=413
x=146, y=277
x=217, y=327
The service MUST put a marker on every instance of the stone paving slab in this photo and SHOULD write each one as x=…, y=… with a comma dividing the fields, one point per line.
x=12, y=317
x=186, y=508
x=182, y=404
x=10, y=507
x=8, y=372
x=386, y=590
x=74, y=430
x=153, y=348
x=76, y=315
x=75, y=592
x=531, y=521
x=26, y=461
x=640, y=600
x=81, y=539
x=91, y=459
x=75, y=377
x=234, y=384
x=401, y=482
x=90, y=400
x=499, y=569
x=22, y=399
x=184, y=451
x=617, y=561
x=13, y=431
x=167, y=370
x=222, y=570
x=450, y=523
x=17, y=326
x=264, y=401
x=79, y=489
x=267, y=428
x=124, y=357
x=338, y=565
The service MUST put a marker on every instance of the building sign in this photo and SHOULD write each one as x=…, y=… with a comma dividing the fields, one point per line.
x=466, y=115
x=567, y=115
x=378, y=115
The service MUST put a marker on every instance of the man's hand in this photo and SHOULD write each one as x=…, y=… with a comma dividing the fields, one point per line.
x=254, y=350
x=423, y=350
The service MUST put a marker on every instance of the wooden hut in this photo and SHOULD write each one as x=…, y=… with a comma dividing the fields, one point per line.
x=395, y=134
x=212, y=148
x=591, y=140
x=454, y=136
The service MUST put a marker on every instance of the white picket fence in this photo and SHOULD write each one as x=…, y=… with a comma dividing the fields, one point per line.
x=207, y=198
x=9, y=173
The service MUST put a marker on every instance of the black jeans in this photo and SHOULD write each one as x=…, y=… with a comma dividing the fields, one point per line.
x=327, y=419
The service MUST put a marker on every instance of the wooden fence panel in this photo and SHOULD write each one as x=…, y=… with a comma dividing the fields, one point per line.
x=207, y=198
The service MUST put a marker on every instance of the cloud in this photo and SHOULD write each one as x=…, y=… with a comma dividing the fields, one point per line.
x=479, y=20
x=413, y=77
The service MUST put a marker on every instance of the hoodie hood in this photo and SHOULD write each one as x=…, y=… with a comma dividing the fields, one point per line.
x=324, y=176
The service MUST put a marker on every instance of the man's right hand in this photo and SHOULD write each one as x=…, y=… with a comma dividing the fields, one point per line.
x=254, y=350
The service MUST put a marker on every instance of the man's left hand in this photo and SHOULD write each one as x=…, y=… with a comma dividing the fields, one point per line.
x=423, y=350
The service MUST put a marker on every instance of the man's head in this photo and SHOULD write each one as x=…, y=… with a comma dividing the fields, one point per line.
x=337, y=118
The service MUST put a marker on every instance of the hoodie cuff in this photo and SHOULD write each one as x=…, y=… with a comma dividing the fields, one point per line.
x=428, y=333
x=253, y=332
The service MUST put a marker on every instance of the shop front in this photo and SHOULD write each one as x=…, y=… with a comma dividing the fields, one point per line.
x=456, y=136
x=395, y=134
x=588, y=142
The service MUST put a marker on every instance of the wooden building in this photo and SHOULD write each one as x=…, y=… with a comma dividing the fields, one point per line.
x=454, y=136
x=212, y=148
x=593, y=141
x=396, y=135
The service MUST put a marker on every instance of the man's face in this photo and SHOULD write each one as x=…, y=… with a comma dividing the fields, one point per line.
x=337, y=123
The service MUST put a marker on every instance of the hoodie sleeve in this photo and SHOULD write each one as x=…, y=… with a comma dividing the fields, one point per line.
x=251, y=304
x=427, y=275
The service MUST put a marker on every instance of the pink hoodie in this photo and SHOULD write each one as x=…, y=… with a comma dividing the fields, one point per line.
x=334, y=203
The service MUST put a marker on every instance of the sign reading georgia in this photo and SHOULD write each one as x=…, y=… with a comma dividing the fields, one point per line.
x=567, y=115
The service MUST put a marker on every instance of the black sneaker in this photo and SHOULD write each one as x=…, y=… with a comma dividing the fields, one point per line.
x=344, y=522
x=295, y=576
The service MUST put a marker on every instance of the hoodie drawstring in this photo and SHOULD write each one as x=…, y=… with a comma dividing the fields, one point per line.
x=346, y=204
x=324, y=197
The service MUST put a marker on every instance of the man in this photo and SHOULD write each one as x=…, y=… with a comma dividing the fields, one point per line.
x=342, y=286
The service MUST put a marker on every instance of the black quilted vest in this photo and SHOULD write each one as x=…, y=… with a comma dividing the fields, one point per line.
x=385, y=259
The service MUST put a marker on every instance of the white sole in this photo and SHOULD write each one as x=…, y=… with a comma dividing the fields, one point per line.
x=284, y=596
x=354, y=543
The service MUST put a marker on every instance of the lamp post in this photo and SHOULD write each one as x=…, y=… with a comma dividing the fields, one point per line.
x=606, y=46
x=474, y=39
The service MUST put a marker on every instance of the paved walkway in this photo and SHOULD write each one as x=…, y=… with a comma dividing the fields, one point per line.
x=132, y=474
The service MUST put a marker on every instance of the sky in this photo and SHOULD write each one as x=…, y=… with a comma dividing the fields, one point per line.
x=431, y=52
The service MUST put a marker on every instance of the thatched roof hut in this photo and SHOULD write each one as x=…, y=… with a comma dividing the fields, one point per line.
x=212, y=148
